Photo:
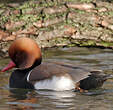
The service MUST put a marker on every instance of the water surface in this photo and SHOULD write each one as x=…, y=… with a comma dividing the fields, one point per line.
x=100, y=99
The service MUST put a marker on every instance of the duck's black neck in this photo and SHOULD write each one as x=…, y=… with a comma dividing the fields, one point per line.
x=18, y=79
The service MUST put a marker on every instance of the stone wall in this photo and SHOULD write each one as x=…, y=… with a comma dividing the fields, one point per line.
x=57, y=23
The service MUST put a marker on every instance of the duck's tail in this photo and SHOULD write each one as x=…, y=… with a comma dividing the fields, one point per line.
x=108, y=76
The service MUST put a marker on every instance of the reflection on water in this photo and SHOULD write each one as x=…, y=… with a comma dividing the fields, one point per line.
x=100, y=99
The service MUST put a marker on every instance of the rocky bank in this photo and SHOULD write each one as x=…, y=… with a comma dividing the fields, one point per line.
x=57, y=23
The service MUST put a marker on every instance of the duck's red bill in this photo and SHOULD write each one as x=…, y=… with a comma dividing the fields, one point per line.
x=9, y=66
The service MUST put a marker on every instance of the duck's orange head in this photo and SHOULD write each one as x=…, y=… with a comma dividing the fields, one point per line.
x=24, y=53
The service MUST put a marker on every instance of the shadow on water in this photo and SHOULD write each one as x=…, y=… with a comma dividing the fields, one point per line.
x=99, y=99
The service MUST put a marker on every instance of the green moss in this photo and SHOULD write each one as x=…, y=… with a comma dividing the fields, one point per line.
x=25, y=5
x=26, y=10
x=83, y=43
x=77, y=11
x=60, y=40
x=107, y=13
x=52, y=16
x=110, y=13
x=106, y=44
x=91, y=43
x=29, y=4
x=28, y=18
x=1, y=5
x=71, y=45
x=4, y=19
x=87, y=43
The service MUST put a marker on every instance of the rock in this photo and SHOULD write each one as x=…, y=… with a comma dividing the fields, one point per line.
x=38, y=24
x=69, y=30
x=105, y=23
x=110, y=27
x=103, y=9
x=80, y=6
x=11, y=25
x=3, y=35
x=9, y=38
x=57, y=22
x=56, y=9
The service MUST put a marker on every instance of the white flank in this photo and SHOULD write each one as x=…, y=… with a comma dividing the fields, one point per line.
x=56, y=83
x=28, y=75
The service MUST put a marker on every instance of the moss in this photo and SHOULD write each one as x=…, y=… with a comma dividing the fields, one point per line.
x=28, y=18
x=110, y=13
x=1, y=5
x=31, y=11
x=61, y=40
x=4, y=19
x=107, y=13
x=106, y=44
x=26, y=10
x=52, y=16
x=91, y=43
x=79, y=11
x=24, y=5
x=83, y=43
x=72, y=45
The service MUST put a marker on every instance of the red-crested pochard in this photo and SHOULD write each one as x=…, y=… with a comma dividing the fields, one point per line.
x=32, y=74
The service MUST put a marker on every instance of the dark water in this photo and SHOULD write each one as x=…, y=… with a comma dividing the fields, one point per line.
x=100, y=99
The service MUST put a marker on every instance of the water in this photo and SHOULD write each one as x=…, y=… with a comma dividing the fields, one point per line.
x=99, y=99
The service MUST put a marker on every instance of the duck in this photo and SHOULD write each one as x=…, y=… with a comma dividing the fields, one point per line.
x=32, y=73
